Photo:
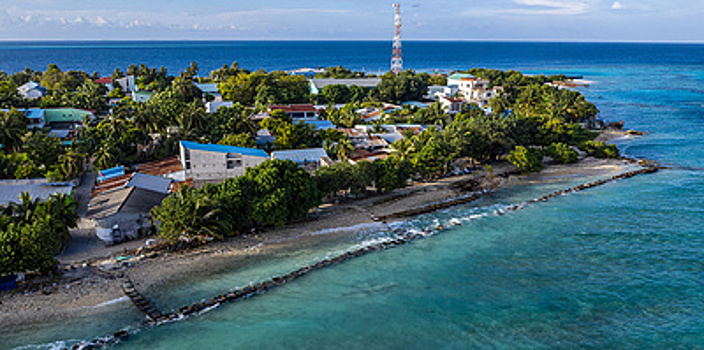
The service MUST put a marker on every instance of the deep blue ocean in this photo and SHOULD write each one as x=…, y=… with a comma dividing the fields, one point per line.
x=619, y=266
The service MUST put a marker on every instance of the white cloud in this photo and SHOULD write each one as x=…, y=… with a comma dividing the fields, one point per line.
x=548, y=7
x=616, y=6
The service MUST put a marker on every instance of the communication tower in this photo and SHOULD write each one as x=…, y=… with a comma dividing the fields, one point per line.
x=397, y=52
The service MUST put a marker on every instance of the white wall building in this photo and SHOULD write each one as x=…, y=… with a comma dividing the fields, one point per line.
x=31, y=90
x=210, y=163
x=471, y=88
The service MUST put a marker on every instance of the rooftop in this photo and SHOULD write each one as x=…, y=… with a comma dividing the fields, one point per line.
x=363, y=82
x=318, y=124
x=300, y=155
x=460, y=76
x=150, y=182
x=294, y=108
x=161, y=167
x=103, y=80
x=10, y=190
x=253, y=152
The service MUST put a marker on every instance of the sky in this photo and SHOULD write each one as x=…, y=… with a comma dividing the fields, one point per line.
x=541, y=20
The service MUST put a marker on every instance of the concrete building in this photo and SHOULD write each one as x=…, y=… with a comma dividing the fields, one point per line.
x=213, y=106
x=317, y=85
x=141, y=96
x=471, y=88
x=120, y=214
x=210, y=163
x=451, y=105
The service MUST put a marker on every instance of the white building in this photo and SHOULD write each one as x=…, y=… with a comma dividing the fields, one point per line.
x=450, y=104
x=210, y=163
x=213, y=106
x=471, y=88
x=127, y=84
x=437, y=91
x=316, y=85
x=31, y=90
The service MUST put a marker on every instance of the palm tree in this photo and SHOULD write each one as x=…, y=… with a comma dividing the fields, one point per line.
x=71, y=163
x=13, y=125
x=344, y=149
x=24, y=211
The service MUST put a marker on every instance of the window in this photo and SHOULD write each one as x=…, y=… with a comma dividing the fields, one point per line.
x=234, y=163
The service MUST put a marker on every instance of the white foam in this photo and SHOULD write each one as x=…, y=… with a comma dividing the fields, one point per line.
x=110, y=302
x=359, y=227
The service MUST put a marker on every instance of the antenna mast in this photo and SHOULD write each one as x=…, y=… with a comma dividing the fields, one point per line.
x=397, y=52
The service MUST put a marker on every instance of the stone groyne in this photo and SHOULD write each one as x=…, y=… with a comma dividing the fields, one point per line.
x=403, y=237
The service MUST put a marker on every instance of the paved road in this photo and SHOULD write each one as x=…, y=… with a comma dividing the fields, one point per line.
x=85, y=244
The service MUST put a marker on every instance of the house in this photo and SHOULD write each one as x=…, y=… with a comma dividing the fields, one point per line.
x=316, y=123
x=296, y=110
x=67, y=118
x=10, y=190
x=35, y=116
x=210, y=163
x=265, y=138
x=361, y=139
x=310, y=159
x=451, y=105
x=127, y=84
x=209, y=89
x=471, y=88
x=436, y=91
x=317, y=85
x=213, y=106
x=121, y=214
x=364, y=155
x=142, y=96
x=31, y=91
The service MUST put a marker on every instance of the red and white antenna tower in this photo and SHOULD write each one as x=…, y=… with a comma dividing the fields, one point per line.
x=397, y=52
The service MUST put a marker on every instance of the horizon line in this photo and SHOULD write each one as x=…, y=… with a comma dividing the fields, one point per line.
x=560, y=41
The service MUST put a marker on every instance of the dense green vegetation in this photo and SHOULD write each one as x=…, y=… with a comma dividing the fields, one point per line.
x=271, y=194
x=529, y=120
x=33, y=231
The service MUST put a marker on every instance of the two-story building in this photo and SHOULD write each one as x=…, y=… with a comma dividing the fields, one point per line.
x=211, y=163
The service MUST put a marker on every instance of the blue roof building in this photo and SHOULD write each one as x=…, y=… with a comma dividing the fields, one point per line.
x=211, y=163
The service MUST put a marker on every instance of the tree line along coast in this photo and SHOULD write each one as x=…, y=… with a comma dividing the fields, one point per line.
x=144, y=114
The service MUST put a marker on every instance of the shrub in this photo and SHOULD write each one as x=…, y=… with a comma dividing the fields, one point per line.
x=599, y=149
x=562, y=153
x=528, y=159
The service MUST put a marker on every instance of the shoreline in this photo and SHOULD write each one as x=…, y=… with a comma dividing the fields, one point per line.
x=87, y=290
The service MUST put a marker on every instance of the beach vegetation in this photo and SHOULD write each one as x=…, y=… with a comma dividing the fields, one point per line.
x=32, y=232
x=561, y=152
x=527, y=159
x=599, y=149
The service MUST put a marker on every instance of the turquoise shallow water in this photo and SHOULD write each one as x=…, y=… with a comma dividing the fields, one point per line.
x=618, y=266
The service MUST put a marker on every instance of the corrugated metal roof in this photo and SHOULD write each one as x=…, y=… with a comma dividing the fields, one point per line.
x=300, y=155
x=150, y=182
x=363, y=82
x=10, y=191
x=253, y=152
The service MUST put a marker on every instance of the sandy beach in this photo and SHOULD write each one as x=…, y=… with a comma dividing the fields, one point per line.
x=89, y=283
